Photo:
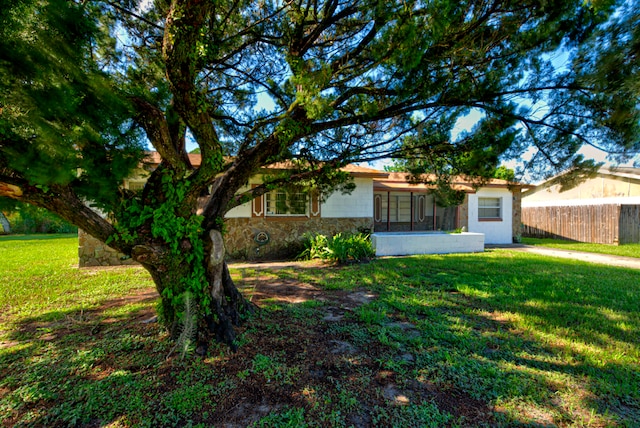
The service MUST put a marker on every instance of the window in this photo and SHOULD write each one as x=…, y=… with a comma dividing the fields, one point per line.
x=489, y=208
x=281, y=202
x=136, y=185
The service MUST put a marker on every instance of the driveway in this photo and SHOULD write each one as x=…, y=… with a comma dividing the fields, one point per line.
x=606, y=259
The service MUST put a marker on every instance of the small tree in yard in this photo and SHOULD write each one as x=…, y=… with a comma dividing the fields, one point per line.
x=85, y=86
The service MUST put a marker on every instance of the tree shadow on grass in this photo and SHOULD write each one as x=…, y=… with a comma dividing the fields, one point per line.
x=56, y=325
x=522, y=330
x=61, y=367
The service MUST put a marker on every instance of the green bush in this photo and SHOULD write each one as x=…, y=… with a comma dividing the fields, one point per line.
x=28, y=220
x=315, y=247
x=341, y=248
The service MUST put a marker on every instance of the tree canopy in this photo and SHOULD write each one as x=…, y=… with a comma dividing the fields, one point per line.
x=317, y=81
x=86, y=86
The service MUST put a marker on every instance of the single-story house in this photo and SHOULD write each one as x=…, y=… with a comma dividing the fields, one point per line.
x=273, y=225
x=604, y=208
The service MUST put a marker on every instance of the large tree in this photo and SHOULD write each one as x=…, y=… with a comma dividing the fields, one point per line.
x=318, y=83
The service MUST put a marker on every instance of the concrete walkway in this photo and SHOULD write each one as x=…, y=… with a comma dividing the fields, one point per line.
x=606, y=259
x=620, y=261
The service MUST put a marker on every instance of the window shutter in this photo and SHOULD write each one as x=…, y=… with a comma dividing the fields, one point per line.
x=257, y=205
x=314, y=204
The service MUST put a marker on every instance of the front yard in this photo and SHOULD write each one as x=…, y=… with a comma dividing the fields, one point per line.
x=499, y=338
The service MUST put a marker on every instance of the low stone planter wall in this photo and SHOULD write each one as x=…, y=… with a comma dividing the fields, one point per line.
x=93, y=252
x=408, y=243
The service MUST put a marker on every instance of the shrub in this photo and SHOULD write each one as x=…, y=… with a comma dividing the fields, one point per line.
x=315, y=247
x=29, y=220
x=341, y=248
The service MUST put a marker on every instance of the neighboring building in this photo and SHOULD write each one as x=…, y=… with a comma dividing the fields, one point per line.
x=273, y=225
x=602, y=209
x=623, y=184
x=5, y=227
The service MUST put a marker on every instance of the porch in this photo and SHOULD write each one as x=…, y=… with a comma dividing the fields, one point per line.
x=406, y=211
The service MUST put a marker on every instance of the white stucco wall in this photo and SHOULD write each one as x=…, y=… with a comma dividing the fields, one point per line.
x=495, y=232
x=241, y=211
x=357, y=204
x=407, y=243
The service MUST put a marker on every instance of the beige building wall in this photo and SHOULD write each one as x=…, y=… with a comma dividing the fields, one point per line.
x=601, y=186
x=93, y=252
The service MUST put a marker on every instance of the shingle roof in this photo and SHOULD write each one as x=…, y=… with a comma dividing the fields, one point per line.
x=154, y=158
x=625, y=172
x=398, y=181
x=401, y=181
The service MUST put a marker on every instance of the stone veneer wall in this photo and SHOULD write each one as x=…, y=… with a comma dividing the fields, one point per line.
x=285, y=238
x=93, y=252
x=516, y=223
x=285, y=234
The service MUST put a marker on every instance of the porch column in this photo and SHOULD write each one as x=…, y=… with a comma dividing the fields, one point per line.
x=435, y=211
x=411, y=209
x=389, y=211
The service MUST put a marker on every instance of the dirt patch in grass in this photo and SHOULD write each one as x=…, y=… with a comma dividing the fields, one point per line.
x=283, y=291
x=319, y=366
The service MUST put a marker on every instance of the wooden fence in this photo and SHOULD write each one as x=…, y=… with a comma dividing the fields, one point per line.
x=629, y=224
x=602, y=224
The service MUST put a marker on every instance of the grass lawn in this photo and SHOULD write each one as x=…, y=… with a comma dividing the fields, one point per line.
x=494, y=339
x=628, y=250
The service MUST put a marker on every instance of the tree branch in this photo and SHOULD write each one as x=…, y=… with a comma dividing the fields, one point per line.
x=154, y=122
x=64, y=202
x=180, y=44
x=241, y=198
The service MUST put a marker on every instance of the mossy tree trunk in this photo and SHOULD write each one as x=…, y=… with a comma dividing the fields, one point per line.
x=219, y=305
